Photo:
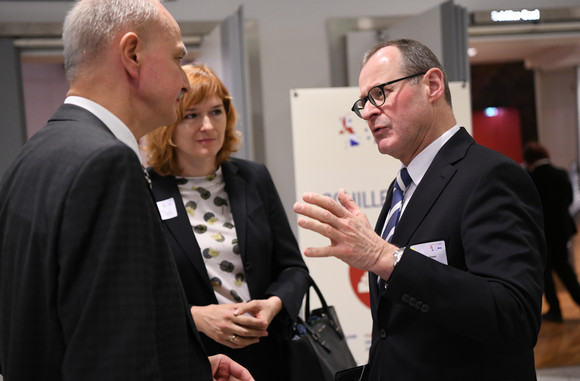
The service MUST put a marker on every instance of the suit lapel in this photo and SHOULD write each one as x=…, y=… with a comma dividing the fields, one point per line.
x=436, y=178
x=236, y=190
x=385, y=210
x=180, y=227
x=373, y=278
x=433, y=183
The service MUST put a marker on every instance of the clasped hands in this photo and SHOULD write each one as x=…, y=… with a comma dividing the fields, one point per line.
x=352, y=239
x=237, y=325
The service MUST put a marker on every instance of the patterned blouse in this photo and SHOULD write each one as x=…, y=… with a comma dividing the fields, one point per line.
x=208, y=208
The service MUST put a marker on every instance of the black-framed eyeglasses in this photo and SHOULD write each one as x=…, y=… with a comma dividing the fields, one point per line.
x=376, y=95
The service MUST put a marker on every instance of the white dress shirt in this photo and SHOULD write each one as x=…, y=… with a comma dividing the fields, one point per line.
x=114, y=124
x=419, y=165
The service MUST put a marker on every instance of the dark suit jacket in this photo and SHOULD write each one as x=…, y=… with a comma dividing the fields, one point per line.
x=478, y=317
x=270, y=254
x=88, y=287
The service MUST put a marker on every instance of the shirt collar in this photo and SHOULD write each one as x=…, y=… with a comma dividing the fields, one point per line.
x=419, y=165
x=539, y=163
x=114, y=124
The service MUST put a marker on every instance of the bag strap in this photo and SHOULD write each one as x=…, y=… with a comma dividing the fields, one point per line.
x=325, y=308
x=320, y=297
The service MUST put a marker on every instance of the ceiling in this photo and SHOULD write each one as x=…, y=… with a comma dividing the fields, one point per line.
x=551, y=43
x=541, y=46
x=547, y=45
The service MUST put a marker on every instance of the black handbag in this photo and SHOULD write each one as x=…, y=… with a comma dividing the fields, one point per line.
x=318, y=348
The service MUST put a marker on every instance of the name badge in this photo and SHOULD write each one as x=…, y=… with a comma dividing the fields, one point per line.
x=167, y=209
x=434, y=250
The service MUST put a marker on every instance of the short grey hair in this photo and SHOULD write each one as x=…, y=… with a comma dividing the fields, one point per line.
x=415, y=58
x=91, y=25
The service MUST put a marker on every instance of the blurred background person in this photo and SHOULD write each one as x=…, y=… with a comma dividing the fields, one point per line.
x=238, y=259
x=555, y=191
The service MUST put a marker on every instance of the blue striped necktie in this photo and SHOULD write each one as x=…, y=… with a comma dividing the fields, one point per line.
x=402, y=182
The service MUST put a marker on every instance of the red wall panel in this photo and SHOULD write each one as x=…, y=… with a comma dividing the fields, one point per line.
x=499, y=129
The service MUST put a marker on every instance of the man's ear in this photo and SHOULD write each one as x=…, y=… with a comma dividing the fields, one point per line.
x=130, y=47
x=436, y=84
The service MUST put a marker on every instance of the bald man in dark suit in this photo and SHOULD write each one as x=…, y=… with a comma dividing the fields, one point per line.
x=88, y=286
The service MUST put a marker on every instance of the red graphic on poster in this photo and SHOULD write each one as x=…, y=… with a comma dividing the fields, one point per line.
x=352, y=139
x=359, y=280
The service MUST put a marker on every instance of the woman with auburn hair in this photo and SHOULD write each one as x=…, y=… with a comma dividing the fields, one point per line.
x=238, y=259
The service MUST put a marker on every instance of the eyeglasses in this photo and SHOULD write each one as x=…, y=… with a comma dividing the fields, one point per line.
x=376, y=95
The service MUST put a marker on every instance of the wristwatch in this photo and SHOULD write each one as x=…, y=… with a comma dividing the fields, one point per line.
x=397, y=254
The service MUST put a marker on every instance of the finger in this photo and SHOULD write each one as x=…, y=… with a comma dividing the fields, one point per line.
x=224, y=368
x=251, y=323
x=238, y=372
x=311, y=211
x=245, y=341
x=322, y=228
x=347, y=201
x=316, y=210
x=246, y=308
x=320, y=252
x=232, y=341
x=249, y=331
x=325, y=202
x=237, y=341
x=249, y=326
x=248, y=315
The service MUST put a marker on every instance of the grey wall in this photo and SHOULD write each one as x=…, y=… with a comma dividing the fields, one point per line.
x=12, y=122
x=557, y=115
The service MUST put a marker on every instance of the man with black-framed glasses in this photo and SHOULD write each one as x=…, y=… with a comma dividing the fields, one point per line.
x=456, y=258
x=377, y=95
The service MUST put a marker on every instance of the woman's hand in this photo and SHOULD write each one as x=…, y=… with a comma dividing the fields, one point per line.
x=220, y=323
x=258, y=314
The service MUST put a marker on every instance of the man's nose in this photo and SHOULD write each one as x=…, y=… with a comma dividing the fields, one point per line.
x=369, y=110
x=186, y=85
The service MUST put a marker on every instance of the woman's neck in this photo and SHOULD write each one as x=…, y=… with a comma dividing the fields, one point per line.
x=198, y=168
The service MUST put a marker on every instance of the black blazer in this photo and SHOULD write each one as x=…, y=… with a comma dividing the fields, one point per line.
x=272, y=260
x=88, y=287
x=478, y=317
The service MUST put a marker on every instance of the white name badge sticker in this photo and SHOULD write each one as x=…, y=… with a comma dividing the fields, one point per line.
x=167, y=209
x=434, y=250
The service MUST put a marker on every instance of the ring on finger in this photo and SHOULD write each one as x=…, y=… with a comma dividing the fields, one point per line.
x=233, y=338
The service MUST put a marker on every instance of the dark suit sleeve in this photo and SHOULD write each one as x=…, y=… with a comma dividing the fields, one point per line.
x=113, y=273
x=288, y=268
x=492, y=288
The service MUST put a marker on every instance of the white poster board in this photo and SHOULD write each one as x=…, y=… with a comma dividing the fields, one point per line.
x=334, y=149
